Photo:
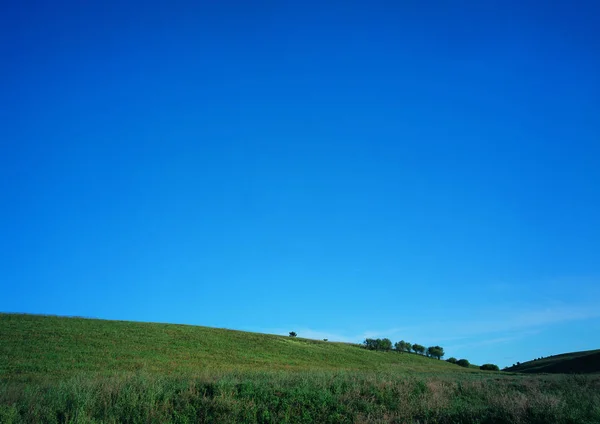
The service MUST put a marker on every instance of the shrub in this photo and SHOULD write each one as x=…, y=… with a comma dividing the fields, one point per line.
x=489, y=367
x=452, y=360
x=293, y=334
x=463, y=363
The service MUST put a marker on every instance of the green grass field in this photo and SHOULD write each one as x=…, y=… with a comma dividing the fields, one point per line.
x=55, y=347
x=72, y=370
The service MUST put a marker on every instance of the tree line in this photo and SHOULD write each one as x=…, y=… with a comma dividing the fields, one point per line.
x=437, y=352
x=431, y=352
x=402, y=346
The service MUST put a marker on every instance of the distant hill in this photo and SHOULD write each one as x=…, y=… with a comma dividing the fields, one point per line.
x=35, y=346
x=568, y=363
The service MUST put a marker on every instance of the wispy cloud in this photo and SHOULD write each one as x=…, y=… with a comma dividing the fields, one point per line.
x=510, y=320
x=488, y=342
x=486, y=328
x=555, y=288
x=488, y=323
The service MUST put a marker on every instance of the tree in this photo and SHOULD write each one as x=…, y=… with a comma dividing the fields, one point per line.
x=403, y=346
x=378, y=344
x=293, y=334
x=385, y=344
x=417, y=348
x=435, y=352
x=452, y=360
x=463, y=363
x=370, y=344
x=439, y=352
x=489, y=367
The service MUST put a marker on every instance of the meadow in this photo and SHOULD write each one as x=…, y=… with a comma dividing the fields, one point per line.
x=72, y=370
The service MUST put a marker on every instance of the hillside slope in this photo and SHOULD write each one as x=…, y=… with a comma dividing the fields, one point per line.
x=67, y=370
x=36, y=346
x=568, y=363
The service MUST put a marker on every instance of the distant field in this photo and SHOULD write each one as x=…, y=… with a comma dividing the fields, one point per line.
x=45, y=347
x=71, y=370
x=574, y=362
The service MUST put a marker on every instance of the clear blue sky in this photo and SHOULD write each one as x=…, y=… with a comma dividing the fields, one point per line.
x=427, y=171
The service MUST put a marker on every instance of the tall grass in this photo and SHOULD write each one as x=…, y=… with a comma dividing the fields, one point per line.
x=323, y=397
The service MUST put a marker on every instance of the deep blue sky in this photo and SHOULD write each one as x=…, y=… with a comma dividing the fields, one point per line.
x=427, y=171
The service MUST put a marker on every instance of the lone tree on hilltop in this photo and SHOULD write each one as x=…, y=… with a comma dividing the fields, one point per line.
x=293, y=334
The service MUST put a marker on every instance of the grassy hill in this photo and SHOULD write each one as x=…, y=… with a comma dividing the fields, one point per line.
x=574, y=362
x=74, y=370
x=36, y=346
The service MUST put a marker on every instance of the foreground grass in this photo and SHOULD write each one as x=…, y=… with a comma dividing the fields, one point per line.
x=323, y=397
